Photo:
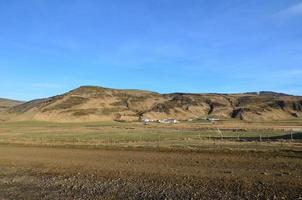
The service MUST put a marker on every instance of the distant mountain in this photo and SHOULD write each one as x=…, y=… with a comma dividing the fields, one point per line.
x=269, y=93
x=5, y=104
x=90, y=103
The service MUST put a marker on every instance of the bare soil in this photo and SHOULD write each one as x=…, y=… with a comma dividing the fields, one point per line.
x=70, y=173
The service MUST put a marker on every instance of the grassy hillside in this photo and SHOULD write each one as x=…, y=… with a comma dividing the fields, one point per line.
x=5, y=105
x=8, y=103
x=89, y=103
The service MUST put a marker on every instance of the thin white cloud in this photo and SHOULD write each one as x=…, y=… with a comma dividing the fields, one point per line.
x=295, y=72
x=295, y=9
x=292, y=10
x=47, y=85
x=286, y=75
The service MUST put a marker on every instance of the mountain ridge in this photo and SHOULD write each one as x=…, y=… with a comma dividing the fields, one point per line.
x=93, y=103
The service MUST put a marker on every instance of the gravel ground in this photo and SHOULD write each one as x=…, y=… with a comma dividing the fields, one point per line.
x=46, y=173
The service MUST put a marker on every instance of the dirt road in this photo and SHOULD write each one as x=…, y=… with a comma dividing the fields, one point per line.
x=62, y=173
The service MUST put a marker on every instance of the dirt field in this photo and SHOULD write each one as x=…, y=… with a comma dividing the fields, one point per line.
x=112, y=160
x=65, y=173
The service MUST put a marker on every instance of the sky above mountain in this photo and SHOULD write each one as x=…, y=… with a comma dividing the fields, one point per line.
x=50, y=46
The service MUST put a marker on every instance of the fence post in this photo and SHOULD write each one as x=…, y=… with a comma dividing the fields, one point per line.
x=281, y=143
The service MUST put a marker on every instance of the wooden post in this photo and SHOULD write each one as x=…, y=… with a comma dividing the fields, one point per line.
x=281, y=143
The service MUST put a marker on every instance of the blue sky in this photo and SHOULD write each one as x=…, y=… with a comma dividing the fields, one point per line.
x=48, y=47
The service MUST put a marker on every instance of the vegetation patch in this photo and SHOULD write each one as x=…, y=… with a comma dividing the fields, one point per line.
x=69, y=103
x=83, y=112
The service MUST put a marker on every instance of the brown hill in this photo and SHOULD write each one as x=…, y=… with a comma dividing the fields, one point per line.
x=5, y=105
x=90, y=103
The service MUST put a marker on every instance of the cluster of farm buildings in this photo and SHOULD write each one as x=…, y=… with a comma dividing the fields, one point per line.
x=164, y=121
x=174, y=121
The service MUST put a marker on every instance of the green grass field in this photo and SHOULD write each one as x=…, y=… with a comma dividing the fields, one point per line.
x=117, y=134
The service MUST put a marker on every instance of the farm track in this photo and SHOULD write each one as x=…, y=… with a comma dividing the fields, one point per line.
x=66, y=173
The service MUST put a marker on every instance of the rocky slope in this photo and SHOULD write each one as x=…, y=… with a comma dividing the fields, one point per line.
x=90, y=103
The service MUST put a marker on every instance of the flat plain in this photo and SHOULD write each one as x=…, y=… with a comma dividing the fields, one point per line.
x=112, y=160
